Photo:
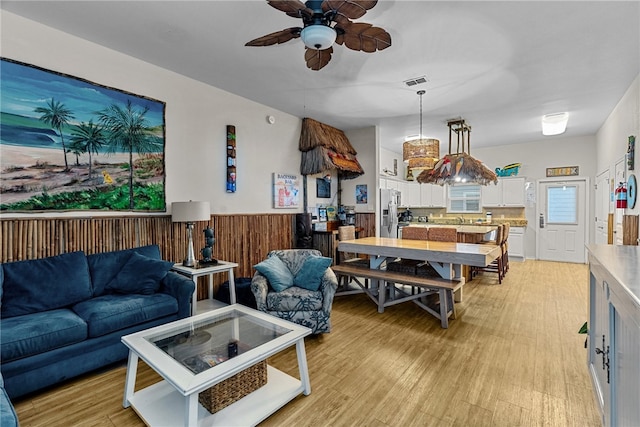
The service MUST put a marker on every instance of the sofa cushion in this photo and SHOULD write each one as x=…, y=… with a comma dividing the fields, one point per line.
x=140, y=275
x=294, y=299
x=276, y=272
x=103, y=267
x=30, y=334
x=310, y=274
x=110, y=313
x=45, y=284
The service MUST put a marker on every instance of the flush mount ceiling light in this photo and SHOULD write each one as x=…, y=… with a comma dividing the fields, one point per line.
x=421, y=153
x=318, y=37
x=459, y=167
x=554, y=124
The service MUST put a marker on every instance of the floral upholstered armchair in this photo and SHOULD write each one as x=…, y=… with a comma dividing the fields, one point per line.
x=296, y=285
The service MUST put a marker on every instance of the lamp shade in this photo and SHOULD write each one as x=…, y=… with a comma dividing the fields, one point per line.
x=190, y=211
x=318, y=36
x=421, y=153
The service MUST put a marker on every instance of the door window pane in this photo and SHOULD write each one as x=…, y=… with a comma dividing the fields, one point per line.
x=562, y=204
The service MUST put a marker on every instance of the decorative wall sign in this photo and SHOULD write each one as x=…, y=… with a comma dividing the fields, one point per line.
x=71, y=144
x=631, y=152
x=509, y=170
x=231, y=159
x=563, y=171
x=361, y=194
x=286, y=191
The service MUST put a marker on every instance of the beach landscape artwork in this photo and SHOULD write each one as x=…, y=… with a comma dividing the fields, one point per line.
x=68, y=144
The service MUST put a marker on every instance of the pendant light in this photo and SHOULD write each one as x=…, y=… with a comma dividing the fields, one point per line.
x=458, y=167
x=420, y=153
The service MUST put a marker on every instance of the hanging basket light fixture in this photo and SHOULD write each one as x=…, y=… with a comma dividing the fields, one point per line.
x=421, y=153
x=459, y=167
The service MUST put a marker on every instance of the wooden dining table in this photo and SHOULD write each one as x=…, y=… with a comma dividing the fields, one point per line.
x=447, y=258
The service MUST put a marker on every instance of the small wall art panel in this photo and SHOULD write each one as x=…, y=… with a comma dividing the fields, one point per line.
x=286, y=191
x=68, y=144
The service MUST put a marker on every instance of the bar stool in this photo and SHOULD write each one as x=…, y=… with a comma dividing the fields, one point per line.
x=496, y=266
x=505, y=249
x=348, y=232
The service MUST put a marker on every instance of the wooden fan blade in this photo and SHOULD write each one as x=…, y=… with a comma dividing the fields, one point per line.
x=351, y=9
x=316, y=59
x=278, y=37
x=294, y=8
x=363, y=36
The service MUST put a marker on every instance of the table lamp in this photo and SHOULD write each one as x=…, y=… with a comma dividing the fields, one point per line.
x=190, y=212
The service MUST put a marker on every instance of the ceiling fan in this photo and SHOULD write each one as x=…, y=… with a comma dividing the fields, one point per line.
x=326, y=22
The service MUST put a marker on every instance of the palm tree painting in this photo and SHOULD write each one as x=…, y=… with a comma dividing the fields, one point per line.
x=56, y=115
x=117, y=139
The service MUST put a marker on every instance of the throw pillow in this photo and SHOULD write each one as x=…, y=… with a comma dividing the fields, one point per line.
x=140, y=275
x=276, y=272
x=310, y=274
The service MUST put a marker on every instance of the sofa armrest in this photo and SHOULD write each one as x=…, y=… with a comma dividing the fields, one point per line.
x=181, y=288
x=8, y=415
x=328, y=287
x=260, y=288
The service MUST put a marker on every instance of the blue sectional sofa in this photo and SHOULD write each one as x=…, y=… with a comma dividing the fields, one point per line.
x=63, y=316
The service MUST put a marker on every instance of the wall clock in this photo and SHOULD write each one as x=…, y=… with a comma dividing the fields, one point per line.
x=632, y=191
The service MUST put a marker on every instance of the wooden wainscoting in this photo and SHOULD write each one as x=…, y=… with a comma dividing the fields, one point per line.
x=244, y=238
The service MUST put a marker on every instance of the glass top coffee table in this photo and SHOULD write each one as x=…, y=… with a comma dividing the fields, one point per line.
x=196, y=353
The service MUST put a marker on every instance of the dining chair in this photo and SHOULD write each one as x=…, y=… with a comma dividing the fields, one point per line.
x=443, y=234
x=409, y=266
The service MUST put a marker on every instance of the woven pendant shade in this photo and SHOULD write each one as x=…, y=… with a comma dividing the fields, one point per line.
x=421, y=153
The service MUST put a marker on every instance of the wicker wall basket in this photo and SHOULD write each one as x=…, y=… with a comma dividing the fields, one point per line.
x=234, y=388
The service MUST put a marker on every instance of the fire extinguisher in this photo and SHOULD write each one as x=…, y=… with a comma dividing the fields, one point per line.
x=621, y=196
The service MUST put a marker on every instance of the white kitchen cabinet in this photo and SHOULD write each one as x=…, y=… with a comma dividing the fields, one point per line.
x=432, y=196
x=516, y=242
x=411, y=195
x=509, y=192
x=613, y=357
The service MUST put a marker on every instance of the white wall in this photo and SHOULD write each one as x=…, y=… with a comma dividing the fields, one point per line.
x=536, y=157
x=196, y=119
x=612, y=138
x=364, y=141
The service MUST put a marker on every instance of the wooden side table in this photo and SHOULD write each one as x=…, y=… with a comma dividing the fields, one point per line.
x=194, y=273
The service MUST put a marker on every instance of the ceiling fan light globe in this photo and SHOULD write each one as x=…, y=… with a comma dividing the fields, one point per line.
x=318, y=37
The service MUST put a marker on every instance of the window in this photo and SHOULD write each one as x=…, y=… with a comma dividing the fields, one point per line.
x=464, y=199
x=562, y=205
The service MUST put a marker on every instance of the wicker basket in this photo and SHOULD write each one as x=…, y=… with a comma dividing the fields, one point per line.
x=234, y=388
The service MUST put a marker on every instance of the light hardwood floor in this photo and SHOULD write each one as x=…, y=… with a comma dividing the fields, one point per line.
x=513, y=357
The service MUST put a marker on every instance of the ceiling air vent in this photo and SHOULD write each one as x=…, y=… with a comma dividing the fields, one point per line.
x=416, y=81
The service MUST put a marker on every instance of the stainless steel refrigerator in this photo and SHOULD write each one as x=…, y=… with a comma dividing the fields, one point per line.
x=389, y=201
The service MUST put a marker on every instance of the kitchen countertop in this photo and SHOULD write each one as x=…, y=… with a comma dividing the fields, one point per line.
x=513, y=222
x=460, y=228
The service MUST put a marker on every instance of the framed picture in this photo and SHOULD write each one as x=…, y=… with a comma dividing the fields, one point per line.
x=361, y=194
x=69, y=144
x=323, y=188
x=286, y=191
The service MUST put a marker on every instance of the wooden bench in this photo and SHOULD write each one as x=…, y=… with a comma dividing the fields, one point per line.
x=429, y=285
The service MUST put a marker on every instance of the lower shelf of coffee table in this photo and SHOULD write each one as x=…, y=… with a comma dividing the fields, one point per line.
x=162, y=405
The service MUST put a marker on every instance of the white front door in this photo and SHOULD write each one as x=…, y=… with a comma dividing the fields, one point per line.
x=561, y=220
x=603, y=201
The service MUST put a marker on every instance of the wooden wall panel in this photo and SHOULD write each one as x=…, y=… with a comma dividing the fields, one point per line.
x=244, y=239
